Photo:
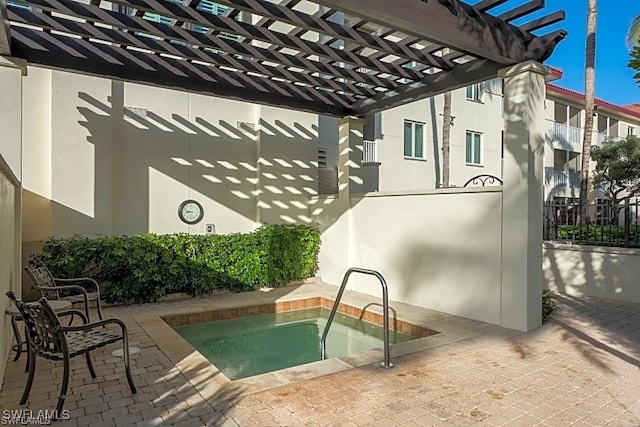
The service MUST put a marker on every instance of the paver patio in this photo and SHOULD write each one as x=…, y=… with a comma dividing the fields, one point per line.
x=583, y=368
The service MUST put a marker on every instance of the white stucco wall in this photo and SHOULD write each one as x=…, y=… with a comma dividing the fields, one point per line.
x=288, y=154
x=81, y=134
x=11, y=75
x=445, y=258
x=9, y=275
x=112, y=157
x=36, y=148
x=176, y=146
x=11, y=116
x=592, y=271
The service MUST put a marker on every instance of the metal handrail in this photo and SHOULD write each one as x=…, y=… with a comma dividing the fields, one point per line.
x=385, y=315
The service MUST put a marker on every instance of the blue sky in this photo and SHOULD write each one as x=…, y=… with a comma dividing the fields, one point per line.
x=614, y=81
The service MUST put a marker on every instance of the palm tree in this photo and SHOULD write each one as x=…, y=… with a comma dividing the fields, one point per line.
x=589, y=83
x=633, y=43
x=633, y=34
x=446, y=136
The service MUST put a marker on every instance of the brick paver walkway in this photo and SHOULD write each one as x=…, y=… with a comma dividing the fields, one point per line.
x=581, y=369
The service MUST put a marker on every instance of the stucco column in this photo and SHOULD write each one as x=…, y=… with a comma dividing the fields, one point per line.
x=11, y=72
x=331, y=214
x=522, y=199
x=350, y=134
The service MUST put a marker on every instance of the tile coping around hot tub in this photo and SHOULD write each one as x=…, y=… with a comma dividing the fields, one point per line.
x=395, y=324
x=213, y=384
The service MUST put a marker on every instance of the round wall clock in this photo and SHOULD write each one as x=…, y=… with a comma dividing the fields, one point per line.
x=190, y=212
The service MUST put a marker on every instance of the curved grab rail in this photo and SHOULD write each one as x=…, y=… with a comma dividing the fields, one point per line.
x=385, y=315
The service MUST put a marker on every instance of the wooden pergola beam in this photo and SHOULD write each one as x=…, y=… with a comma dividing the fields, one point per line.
x=435, y=84
x=544, y=21
x=474, y=71
x=450, y=22
x=166, y=32
x=64, y=53
x=5, y=30
x=338, y=31
x=131, y=39
x=342, y=57
x=221, y=23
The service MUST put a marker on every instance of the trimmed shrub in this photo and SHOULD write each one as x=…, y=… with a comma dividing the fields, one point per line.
x=611, y=235
x=143, y=268
x=549, y=305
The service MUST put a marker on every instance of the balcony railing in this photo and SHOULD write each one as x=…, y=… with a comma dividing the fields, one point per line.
x=571, y=134
x=562, y=179
x=369, y=152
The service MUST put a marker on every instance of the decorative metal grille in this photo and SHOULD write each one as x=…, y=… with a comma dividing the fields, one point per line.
x=483, y=181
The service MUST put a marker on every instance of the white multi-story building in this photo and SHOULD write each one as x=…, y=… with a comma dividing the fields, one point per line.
x=563, y=151
x=476, y=142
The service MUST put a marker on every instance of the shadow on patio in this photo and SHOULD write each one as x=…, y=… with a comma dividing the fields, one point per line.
x=491, y=377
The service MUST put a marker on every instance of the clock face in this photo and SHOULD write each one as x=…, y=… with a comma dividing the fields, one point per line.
x=190, y=212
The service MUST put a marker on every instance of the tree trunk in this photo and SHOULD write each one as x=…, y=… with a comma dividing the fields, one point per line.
x=446, y=137
x=590, y=74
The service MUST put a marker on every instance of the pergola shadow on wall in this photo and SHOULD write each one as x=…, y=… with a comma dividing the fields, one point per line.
x=341, y=58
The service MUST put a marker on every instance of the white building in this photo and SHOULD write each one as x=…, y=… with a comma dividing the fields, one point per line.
x=563, y=151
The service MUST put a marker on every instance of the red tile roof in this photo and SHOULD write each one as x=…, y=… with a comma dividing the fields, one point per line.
x=632, y=110
x=633, y=107
x=556, y=72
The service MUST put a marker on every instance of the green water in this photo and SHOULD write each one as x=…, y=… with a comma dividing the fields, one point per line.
x=253, y=345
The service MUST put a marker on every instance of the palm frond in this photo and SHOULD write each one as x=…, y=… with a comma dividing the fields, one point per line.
x=633, y=34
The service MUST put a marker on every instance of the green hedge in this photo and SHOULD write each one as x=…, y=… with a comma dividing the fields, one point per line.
x=598, y=234
x=146, y=267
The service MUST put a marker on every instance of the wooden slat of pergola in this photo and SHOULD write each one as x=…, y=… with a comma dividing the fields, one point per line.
x=5, y=30
x=338, y=57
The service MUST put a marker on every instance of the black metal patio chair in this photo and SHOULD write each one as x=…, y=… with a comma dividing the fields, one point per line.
x=64, y=289
x=47, y=338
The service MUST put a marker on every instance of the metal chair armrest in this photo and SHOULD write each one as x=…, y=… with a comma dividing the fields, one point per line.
x=73, y=313
x=93, y=325
x=61, y=288
x=78, y=288
x=78, y=280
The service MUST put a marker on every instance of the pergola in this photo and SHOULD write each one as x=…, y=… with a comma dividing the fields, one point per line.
x=348, y=58
x=343, y=58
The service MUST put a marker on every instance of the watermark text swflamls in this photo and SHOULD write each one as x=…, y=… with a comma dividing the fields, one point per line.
x=31, y=417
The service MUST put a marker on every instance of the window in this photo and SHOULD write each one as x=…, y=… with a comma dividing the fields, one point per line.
x=631, y=130
x=494, y=86
x=203, y=6
x=473, y=148
x=414, y=139
x=18, y=5
x=215, y=9
x=474, y=92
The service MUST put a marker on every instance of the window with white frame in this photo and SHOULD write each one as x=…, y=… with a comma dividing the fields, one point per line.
x=631, y=130
x=473, y=148
x=215, y=9
x=474, y=92
x=413, y=140
x=203, y=6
